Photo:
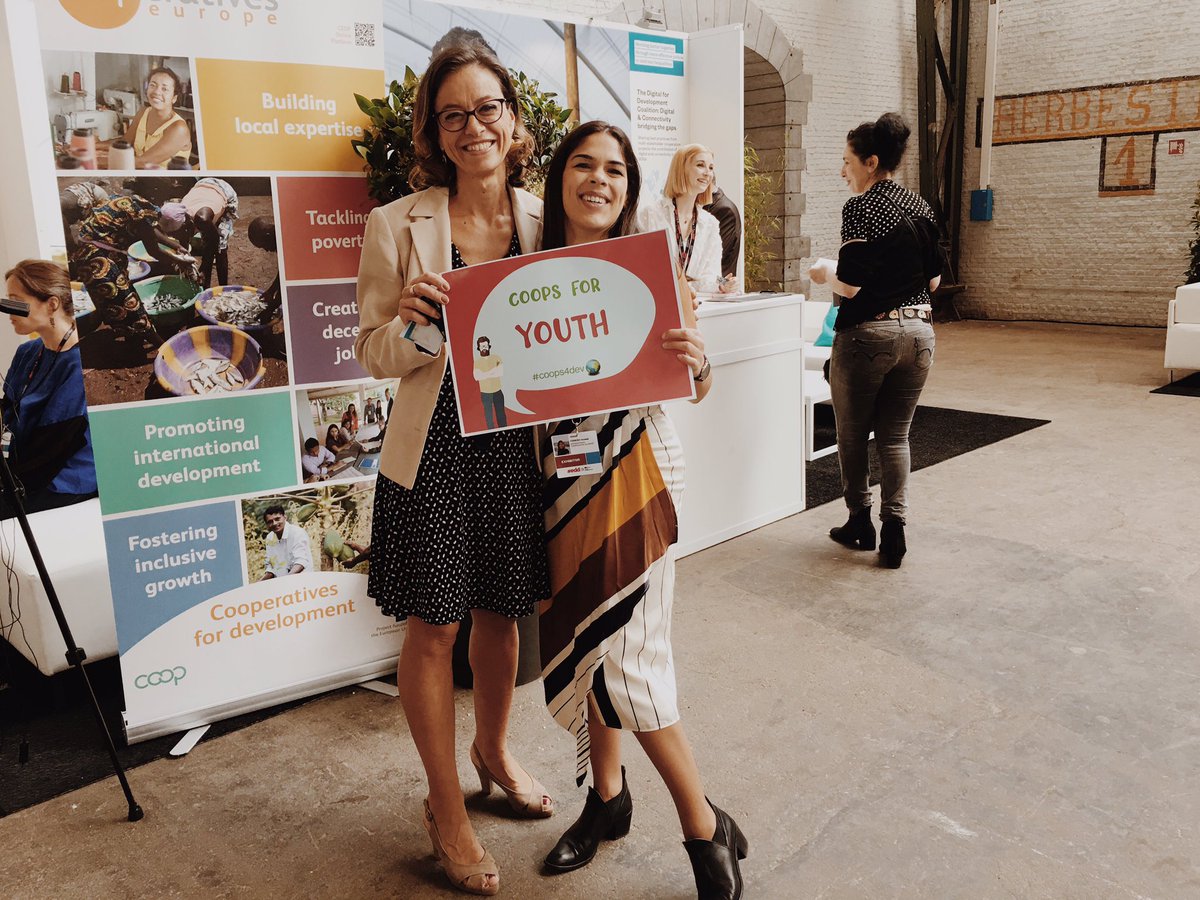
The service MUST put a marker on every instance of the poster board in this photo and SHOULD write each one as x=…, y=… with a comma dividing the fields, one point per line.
x=192, y=476
x=565, y=334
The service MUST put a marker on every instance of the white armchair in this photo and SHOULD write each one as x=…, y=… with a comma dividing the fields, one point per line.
x=1183, y=329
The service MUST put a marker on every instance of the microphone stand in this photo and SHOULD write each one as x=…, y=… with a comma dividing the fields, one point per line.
x=75, y=655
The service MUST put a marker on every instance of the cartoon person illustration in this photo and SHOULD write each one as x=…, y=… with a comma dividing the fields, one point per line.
x=489, y=370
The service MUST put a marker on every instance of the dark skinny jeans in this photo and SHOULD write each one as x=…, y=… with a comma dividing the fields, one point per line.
x=876, y=374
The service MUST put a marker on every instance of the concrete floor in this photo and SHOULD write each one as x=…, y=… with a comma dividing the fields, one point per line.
x=1014, y=713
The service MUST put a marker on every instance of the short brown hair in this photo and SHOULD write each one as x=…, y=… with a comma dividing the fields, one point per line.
x=43, y=279
x=432, y=168
x=677, y=181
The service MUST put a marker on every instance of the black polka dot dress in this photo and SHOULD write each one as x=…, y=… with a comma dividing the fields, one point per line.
x=469, y=535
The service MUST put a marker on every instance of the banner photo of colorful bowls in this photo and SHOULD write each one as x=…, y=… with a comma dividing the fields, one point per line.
x=157, y=256
x=209, y=359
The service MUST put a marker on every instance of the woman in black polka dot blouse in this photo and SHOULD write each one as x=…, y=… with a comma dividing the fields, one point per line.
x=883, y=347
x=457, y=522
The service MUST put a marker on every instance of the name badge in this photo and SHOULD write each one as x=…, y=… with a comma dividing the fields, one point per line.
x=576, y=454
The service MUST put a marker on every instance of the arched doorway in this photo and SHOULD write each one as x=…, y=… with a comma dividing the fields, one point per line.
x=777, y=93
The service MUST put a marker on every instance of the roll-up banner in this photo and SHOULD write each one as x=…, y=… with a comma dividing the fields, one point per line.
x=237, y=557
x=204, y=167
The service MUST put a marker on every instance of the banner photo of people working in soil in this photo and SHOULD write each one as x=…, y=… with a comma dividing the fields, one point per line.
x=210, y=173
x=213, y=209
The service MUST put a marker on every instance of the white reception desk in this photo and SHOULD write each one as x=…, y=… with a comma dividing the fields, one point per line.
x=744, y=445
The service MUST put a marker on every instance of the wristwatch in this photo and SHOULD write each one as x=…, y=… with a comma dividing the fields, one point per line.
x=705, y=371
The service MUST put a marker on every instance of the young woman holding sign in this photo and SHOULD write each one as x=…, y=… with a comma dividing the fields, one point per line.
x=606, y=647
x=457, y=521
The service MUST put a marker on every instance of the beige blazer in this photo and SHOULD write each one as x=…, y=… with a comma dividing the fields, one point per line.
x=404, y=239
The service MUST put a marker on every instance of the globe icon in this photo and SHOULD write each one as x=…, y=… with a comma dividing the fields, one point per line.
x=592, y=366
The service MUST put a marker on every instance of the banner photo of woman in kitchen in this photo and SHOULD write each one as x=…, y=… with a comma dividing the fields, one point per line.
x=121, y=111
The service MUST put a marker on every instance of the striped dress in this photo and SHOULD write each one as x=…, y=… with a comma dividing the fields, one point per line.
x=610, y=540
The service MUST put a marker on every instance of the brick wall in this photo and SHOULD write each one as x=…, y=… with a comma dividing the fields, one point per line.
x=1055, y=249
x=861, y=55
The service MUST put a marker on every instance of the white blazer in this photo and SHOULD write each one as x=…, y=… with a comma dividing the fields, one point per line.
x=704, y=268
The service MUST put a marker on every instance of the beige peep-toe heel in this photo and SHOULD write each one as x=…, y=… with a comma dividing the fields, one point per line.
x=470, y=878
x=532, y=804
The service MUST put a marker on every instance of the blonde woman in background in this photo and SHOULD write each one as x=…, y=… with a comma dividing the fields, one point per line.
x=694, y=234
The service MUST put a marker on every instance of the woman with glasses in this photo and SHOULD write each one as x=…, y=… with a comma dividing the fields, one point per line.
x=457, y=523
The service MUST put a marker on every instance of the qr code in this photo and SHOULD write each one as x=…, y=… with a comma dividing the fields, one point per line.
x=364, y=34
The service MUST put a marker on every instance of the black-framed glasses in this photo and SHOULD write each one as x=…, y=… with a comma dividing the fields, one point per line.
x=487, y=112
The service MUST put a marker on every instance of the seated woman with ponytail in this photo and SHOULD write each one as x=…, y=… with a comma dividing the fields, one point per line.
x=44, y=411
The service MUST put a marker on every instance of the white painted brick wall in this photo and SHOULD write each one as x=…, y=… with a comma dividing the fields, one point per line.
x=1055, y=250
x=861, y=55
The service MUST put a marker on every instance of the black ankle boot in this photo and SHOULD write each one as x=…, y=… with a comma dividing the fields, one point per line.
x=891, y=543
x=857, y=532
x=715, y=862
x=599, y=821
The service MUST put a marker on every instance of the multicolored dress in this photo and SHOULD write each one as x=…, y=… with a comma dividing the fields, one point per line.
x=101, y=261
x=610, y=540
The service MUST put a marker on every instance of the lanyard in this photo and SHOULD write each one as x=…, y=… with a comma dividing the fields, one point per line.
x=685, y=246
x=37, y=364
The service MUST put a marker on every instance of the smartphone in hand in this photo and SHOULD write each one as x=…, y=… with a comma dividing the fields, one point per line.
x=427, y=338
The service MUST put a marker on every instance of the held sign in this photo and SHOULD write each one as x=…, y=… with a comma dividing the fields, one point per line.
x=560, y=322
x=564, y=333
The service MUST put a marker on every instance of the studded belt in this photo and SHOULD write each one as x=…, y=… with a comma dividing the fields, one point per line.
x=907, y=312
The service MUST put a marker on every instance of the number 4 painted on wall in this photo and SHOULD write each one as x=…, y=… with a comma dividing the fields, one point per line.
x=1127, y=165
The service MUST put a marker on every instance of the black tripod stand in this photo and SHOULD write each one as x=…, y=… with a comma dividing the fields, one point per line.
x=75, y=655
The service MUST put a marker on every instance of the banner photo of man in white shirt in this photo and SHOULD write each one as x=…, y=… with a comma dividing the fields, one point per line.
x=287, y=545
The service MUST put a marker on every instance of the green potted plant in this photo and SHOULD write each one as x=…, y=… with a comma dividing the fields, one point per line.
x=758, y=228
x=386, y=147
x=1193, y=272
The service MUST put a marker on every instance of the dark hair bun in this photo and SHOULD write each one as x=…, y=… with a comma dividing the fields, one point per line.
x=891, y=139
x=885, y=138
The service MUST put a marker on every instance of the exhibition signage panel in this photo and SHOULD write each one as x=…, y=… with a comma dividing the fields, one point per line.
x=202, y=527
x=282, y=117
x=565, y=333
x=238, y=576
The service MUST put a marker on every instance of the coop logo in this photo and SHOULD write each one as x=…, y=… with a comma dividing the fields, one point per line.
x=156, y=679
x=102, y=13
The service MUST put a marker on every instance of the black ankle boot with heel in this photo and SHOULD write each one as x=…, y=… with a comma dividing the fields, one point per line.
x=601, y=820
x=715, y=862
x=858, y=532
x=891, y=543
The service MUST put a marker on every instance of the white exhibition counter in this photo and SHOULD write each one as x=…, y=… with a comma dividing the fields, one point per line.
x=744, y=445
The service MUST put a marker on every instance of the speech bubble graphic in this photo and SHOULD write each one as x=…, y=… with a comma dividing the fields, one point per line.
x=552, y=320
